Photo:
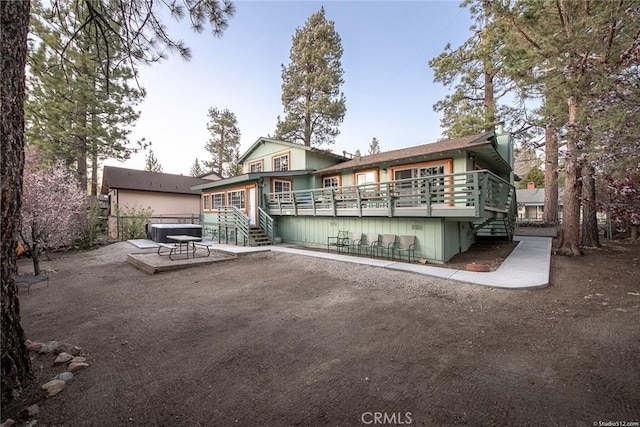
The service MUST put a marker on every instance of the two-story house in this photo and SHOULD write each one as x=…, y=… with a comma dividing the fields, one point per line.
x=444, y=193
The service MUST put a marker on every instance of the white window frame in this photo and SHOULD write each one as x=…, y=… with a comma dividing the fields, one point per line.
x=369, y=177
x=281, y=181
x=331, y=179
x=205, y=202
x=242, y=202
x=220, y=197
x=257, y=165
x=280, y=167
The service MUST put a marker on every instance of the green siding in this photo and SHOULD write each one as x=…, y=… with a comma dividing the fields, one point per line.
x=266, y=151
x=318, y=161
x=313, y=231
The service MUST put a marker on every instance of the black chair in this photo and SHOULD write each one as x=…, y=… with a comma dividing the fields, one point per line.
x=339, y=241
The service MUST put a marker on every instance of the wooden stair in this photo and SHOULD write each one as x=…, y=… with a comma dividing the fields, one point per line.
x=258, y=237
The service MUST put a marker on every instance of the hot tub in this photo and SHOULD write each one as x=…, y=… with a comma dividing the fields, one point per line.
x=159, y=232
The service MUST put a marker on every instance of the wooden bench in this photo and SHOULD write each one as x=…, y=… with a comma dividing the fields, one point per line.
x=171, y=246
x=29, y=280
x=205, y=244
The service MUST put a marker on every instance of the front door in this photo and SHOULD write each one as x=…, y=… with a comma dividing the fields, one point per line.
x=252, y=211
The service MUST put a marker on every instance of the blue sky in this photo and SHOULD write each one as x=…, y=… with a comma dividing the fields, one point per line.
x=388, y=84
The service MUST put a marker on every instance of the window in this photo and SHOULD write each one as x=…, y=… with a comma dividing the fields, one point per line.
x=255, y=166
x=236, y=198
x=331, y=181
x=365, y=177
x=281, y=163
x=281, y=186
x=217, y=200
x=418, y=184
x=205, y=202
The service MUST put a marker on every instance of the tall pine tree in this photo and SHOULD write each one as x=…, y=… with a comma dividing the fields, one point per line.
x=224, y=142
x=79, y=111
x=144, y=37
x=313, y=105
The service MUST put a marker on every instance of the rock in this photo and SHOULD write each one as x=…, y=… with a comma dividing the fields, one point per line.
x=64, y=347
x=49, y=347
x=78, y=359
x=62, y=358
x=31, y=411
x=76, y=366
x=34, y=346
x=422, y=260
x=7, y=423
x=53, y=387
x=65, y=376
x=482, y=268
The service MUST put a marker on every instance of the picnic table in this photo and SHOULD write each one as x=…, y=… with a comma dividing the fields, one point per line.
x=183, y=244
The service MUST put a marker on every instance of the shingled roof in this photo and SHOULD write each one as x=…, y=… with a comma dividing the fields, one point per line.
x=464, y=143
x=132, y=179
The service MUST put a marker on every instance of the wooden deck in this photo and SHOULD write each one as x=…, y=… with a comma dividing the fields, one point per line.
x=469, y=195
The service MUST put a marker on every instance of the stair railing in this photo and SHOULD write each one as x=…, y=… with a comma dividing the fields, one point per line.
x=232, y=218
x=265, y=222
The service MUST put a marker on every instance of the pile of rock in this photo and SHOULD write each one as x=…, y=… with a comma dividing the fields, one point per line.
x=68, y=356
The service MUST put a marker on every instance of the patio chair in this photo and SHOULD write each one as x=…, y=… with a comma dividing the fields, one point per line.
x=350, y=245
x=407, y=244
x=371, y=245
x=338, y=241
x=387, y=245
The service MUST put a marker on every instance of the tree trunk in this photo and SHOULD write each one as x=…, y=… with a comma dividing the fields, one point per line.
x=14, y=21
x=590, y=236
x=550, y=214
x=35, y=256
x=634, y=233
x=489, y=101
x=307, y=122
x=572, y=189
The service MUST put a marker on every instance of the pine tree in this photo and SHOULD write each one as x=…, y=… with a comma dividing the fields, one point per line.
x=235, y=167
x=14, y=21
x=573, y=47
x=224, y=142
x=535, y=175
x=374, y=146
x=151, y=163
x=196, y=169
x=313, y=105
x=80, y=113
x=144, y=37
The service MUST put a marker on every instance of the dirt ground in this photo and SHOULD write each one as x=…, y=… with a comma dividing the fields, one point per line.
x=276, y=339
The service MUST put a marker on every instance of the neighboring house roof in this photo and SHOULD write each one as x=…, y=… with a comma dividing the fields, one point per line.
x=533, y=196
x=211, y=175
x=262, y=140
x=480, y=145
x=248, y=177
x=132, y=179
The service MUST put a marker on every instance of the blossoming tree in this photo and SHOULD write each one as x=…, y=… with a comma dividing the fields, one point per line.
x=51, y=203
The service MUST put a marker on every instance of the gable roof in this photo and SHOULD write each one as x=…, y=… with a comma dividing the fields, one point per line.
x=132, y=179
x=416, y=153
x=263, y=140
x=534, y=196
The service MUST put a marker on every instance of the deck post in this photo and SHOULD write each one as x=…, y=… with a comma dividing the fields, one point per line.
x=333, y=201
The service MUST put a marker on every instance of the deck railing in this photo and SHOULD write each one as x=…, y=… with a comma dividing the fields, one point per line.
x=467, y=194
x=233, y=224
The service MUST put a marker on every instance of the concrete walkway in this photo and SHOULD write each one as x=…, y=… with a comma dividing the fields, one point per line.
x=526, y=267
